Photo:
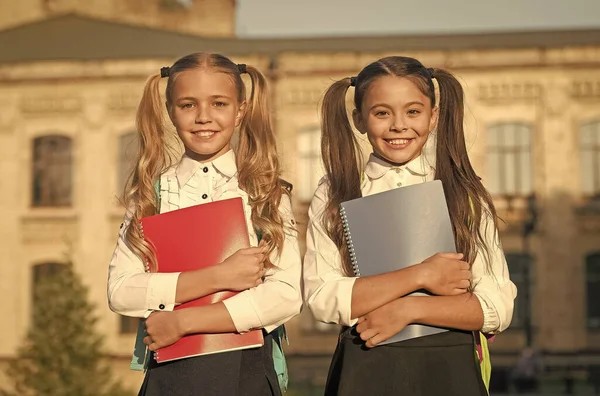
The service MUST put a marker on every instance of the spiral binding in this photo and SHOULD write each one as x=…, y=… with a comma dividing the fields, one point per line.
x=348, y=237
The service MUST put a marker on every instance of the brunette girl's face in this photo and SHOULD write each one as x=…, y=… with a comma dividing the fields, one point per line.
x=397, y=118
x=205, y=110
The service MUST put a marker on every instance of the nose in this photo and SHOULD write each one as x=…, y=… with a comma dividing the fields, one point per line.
x=398, y=124
x=202, y=115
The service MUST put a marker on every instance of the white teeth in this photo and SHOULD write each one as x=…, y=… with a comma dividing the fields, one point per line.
x=205, y=134
x=398, y=141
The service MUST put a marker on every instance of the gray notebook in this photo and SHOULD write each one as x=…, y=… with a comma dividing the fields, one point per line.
x=396, y=229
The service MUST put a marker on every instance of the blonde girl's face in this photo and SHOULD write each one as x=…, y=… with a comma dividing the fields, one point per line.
x=205, y=111
x=397, y=118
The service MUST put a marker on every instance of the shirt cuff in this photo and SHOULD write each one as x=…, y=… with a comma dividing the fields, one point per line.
x=491, y=321
x=242, y=312
x=162, y=288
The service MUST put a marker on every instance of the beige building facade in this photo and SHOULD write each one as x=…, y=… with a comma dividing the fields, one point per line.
x=67, y=118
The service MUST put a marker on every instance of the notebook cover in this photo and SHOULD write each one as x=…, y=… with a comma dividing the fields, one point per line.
x=197, y=237
x=396, y=229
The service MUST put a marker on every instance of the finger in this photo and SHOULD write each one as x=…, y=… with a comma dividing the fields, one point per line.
x=373, y=341
x=458, y=292
x=153, y=347
x=147, y=340
x=464, y=265
x=361, y=327
x=454, y=256
x=464, y=284
x=361, y=319
x=258, y=282
x=368, y=334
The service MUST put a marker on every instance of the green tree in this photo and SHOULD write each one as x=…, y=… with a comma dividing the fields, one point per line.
x=62, y=354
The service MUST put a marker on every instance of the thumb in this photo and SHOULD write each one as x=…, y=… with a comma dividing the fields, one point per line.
x=454, y=256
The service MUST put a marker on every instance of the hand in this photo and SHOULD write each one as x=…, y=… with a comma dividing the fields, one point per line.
x=444, y=274
x=244, y=269
x=384, y=322
x=164, y=329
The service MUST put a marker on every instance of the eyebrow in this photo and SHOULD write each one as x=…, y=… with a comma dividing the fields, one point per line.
x=212, y=97
x=415, y=102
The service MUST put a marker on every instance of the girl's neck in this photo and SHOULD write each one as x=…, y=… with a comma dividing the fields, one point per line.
x=203, y=158
x=393, y=163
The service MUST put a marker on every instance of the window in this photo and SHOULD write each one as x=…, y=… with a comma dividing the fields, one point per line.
x=589, y=142
x=128, y=146
x=52, y=171
x=46, y=269
x=519, y=266
x=592, y=275
x=41, y=271
x=310, y=168
x=509, y=159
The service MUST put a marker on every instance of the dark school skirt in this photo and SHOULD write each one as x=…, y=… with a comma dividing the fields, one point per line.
x=442, y=364
x=248, y=372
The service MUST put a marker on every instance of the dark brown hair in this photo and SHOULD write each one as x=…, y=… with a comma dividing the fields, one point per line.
x=468, y=201
x=256, y=156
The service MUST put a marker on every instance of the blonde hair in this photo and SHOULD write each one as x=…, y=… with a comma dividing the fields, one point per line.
x=256, y=157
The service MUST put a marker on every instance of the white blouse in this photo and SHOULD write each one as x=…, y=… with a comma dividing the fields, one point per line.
x=328, y=292
x=133, y=292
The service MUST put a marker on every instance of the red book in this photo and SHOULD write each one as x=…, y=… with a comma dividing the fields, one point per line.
x=197, y=237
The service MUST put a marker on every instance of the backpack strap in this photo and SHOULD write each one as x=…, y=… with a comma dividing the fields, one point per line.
x=279, y=335
x=141, y=354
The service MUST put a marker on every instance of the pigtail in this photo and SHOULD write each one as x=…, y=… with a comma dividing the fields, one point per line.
x=258, y=164
x=152, y=159
x=342, y=159
x=468, y=200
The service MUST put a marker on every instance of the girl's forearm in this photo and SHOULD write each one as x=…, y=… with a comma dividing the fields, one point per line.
x=210, y=319
x=372, y=292
x=462, y=312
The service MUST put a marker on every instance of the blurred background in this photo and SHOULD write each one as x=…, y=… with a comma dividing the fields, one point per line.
x=71, y=76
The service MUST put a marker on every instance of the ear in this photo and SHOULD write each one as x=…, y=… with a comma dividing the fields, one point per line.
x=358, y=121
x=240, y=114
x=434, y=118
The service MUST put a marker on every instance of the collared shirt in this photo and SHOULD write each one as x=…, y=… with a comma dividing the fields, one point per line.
x=328, y=292
x=133, y=292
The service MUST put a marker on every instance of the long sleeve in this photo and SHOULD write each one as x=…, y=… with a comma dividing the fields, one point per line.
x=279, y=297
x=492, y=284
x=327, y=291
x=132, y=291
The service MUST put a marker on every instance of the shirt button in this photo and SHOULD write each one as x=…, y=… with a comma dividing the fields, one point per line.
x=399, y=184
x=204, y=196
x=398, y=170
x=161, y=306
x=205, y=169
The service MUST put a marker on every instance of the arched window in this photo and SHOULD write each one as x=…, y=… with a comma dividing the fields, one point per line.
x=519, y=267
x=509, y=159
x=589, y=144
x=52, y=171
x=592, y=277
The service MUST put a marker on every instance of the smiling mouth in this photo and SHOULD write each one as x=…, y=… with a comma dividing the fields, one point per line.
x=398, y=143
x=204, y=134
